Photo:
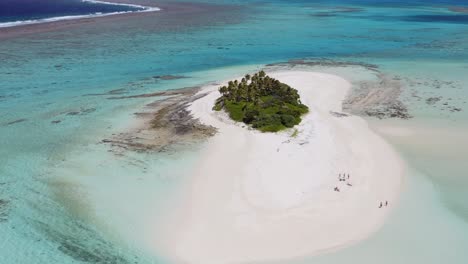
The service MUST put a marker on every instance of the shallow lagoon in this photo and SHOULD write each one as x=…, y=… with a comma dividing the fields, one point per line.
x=52, y=174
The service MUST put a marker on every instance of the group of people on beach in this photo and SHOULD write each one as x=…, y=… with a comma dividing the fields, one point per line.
x=382, y=204
x=343, y=177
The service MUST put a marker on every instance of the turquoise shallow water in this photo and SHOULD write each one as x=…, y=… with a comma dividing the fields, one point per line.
x=59, y=187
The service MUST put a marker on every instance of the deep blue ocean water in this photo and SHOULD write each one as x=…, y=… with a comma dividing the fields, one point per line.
x=52, y=115
x=21, y=10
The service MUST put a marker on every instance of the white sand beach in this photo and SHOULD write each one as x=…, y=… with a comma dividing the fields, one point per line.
x=270, y=196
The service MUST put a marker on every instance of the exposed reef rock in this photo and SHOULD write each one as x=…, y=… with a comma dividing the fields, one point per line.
x=155, y=94
x=380, y=99
x=166, y=123
x=324, y=63
x=338, y=114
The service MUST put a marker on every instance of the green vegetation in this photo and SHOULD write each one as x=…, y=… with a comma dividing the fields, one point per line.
x=261, y=101
x=295, y=133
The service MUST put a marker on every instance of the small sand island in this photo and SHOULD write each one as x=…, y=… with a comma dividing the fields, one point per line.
x=325, y=184
x=261, y=101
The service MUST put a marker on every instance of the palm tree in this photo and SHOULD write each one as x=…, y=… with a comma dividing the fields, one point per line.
x=223, y=90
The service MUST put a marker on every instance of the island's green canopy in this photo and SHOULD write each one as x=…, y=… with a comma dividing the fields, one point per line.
x=261, y=101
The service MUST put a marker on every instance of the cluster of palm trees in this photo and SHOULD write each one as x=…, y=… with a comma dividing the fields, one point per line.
x=252, y=88
x=262, y=102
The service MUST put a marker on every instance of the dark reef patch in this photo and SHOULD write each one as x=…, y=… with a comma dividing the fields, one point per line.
x=323, y=63
x=338, y=10
x=426, y=90
x=14, y=122
x=164, y=123
x=62, y=226
x=433, y=100
x=111, y=92
x=459, y=9
x=457, y=19
x=81, y=242
x=169, y=77
x=338, y=114
x=450, y=18
x=379, y=98
x=82, y=111
x=155, y=94
x=88, y=111
x=437, y=44
x=4, y=209
x=324, y=14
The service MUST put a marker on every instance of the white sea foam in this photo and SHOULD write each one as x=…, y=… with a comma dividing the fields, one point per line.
x=146, y=8
x=97, y=14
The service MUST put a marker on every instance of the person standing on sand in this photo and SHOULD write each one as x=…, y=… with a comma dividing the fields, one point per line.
x=380, y=205
x=386, y=203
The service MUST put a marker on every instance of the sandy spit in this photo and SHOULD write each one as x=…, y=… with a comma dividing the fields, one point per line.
x=270, y=196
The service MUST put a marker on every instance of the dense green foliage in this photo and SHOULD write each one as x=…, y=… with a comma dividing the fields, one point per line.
x=261, y=101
